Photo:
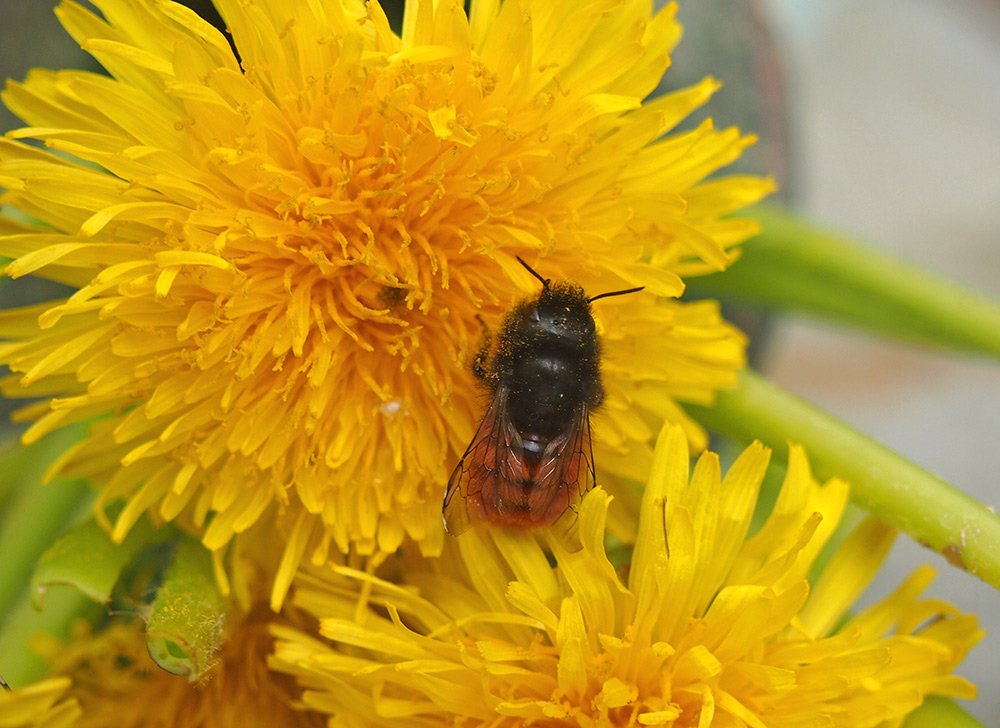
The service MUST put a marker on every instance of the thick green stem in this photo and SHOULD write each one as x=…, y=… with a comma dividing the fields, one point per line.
x=797, y=267
x=34, y=517
x=940, y=713
x=930, y=510
x=21, y=665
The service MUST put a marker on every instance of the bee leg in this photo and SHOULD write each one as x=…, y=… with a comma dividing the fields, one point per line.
x=479, y=367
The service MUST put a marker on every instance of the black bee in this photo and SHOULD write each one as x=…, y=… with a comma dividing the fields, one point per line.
x=531, y=458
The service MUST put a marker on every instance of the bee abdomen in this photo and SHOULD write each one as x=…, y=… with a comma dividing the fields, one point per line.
x=545, y=392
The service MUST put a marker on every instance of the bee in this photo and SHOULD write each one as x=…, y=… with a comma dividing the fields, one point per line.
x=531, y=459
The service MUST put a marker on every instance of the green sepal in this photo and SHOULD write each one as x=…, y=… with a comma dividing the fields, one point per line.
x=87, y=559
x=795, y=266
x=920, y=504
x=185, y=625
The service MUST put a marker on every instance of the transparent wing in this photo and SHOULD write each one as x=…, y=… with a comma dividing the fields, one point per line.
x=480, y=468
x=493, y=482
x=565, y=473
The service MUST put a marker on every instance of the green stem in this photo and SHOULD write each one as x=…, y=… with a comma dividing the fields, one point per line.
x=940, y=713
x=19, y=662
x=32, y=522
x=34, y=514
x=930, y=510
x=797, y=267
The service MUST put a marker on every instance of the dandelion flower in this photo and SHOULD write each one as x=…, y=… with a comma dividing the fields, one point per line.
x=277, y=259
x=710, y=626
x=42, y=705
x=109, y=679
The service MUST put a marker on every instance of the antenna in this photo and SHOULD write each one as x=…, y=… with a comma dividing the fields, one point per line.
x=614, y=293
x=545, y=281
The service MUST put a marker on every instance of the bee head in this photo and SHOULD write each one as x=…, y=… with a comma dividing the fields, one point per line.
x=562, y=310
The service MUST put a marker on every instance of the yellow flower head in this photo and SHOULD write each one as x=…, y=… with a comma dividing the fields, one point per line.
x=41, y=705
x=278, y=257
x=108, y=679
x=710, y=626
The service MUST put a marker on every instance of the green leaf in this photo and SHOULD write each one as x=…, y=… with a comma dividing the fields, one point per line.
x=930, y=510
x=87, y=559
x=185, y=625
x=797, y=267
x=940, y=713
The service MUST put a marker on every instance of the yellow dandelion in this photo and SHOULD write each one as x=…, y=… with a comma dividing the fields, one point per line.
x=41, y=705
x=278, y=258
x=710, y=626
x=108, y=679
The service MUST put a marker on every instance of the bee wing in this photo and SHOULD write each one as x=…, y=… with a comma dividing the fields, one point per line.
x=484, y=464
x=489, y=479
x=565, y=473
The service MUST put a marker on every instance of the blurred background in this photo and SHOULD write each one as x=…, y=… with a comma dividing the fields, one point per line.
x=894, y=111
x=880, y=119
